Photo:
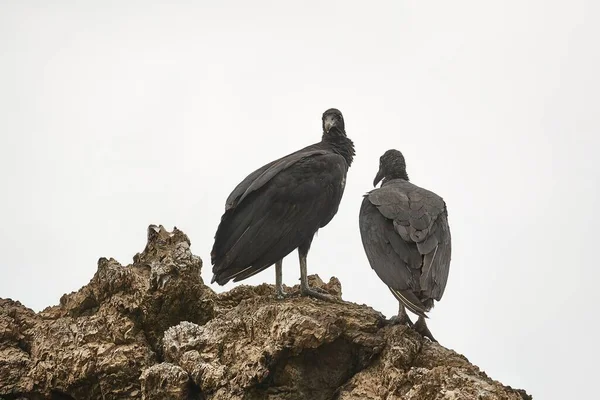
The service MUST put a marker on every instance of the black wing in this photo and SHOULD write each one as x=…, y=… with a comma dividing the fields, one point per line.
x=407, y=240
x=258, y=178
x=281, y=209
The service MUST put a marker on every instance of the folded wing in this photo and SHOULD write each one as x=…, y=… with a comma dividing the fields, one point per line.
x=277, y=209
x=407, y=240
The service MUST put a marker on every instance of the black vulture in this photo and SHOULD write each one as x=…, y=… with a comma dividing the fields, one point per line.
x=405, y=233
x=279, y=207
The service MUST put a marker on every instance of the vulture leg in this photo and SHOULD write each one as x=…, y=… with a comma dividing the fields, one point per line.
x=305, y=290
x=402, y=317
x=421, y=327
x=279, y=279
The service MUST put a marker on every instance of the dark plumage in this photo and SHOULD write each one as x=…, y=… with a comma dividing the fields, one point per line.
x=405, y=233
x=280, y=206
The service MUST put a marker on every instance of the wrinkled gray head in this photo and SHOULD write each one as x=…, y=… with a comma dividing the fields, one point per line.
x=333, y=120
x=391, y=166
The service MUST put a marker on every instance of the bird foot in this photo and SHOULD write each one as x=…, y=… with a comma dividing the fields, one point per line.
x=421, y=327
x=401, y=319
x=317, y=293
x=281, y=295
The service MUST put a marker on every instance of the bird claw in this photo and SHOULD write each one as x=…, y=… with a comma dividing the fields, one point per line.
x=317, y=295
x=421, y=328
x=401, y=320
x=281, y=295
x=318, y=290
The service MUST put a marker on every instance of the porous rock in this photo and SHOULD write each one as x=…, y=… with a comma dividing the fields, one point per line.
x=154, y=330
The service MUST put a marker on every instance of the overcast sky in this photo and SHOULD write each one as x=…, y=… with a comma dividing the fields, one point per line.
x=119, y=114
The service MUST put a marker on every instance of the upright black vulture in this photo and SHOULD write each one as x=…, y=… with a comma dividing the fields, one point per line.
x=405, y=233
x=279, y=208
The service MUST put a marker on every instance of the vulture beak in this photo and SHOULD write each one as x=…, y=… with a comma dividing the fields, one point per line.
x=329, y=122
x=378, y=177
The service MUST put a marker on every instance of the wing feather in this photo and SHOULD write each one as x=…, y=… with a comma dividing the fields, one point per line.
x=275, y=216
x=416, y=218
x=261, y=176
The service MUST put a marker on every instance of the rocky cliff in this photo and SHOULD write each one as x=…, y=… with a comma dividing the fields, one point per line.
x=154, y=330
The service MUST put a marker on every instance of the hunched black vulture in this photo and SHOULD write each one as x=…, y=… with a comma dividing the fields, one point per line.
x=279, y=207
x=405, y=233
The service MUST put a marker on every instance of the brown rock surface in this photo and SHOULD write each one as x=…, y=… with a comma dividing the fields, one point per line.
x=153, y=330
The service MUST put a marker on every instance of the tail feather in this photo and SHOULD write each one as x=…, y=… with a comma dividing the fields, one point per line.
x=232, y=228
x=221, y=278
x=410, y=301
x=248, y=272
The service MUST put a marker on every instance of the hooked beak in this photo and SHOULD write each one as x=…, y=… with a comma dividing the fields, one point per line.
x=378, y=178
x=329, y=123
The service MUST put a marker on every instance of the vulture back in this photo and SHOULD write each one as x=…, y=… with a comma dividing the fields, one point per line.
x=405, y=233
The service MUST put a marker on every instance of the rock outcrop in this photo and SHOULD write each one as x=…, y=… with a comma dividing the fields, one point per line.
x=154, y=330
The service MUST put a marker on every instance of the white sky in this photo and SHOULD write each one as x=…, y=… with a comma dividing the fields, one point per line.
x=119, y=114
